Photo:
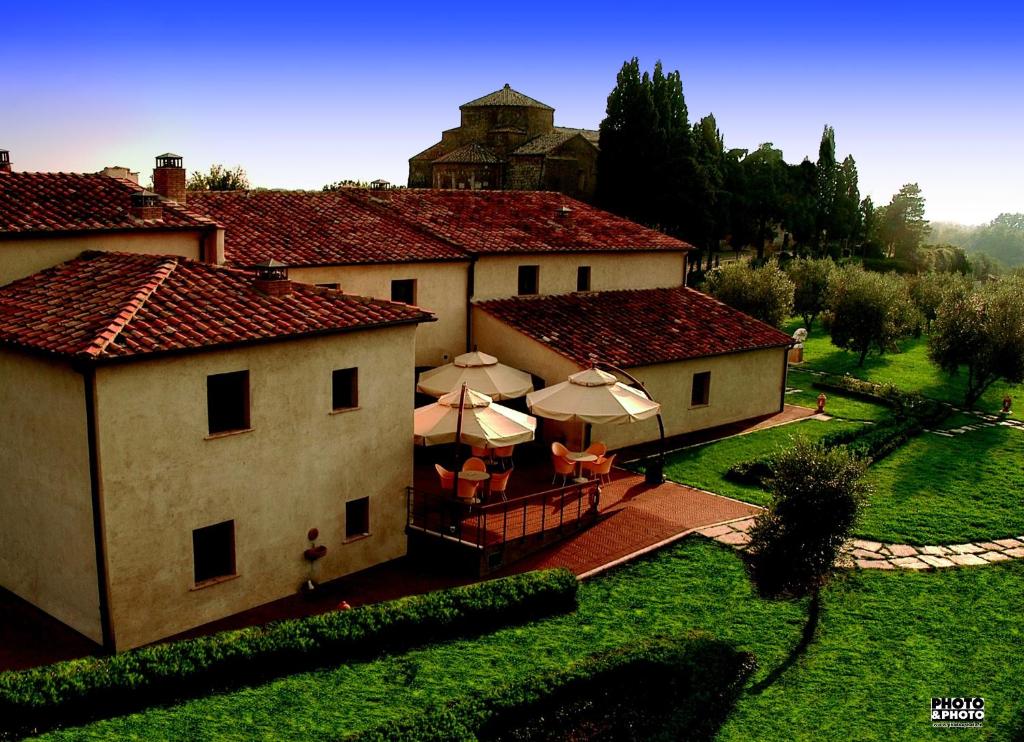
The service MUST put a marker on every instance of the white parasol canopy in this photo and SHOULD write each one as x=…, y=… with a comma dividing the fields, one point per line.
x=481, y=372
x=592, y=396
x=483, y=424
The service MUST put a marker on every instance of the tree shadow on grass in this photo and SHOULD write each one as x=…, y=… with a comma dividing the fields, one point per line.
x=807, y=635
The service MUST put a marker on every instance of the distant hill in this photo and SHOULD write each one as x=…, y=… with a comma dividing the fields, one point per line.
x=1001, y=239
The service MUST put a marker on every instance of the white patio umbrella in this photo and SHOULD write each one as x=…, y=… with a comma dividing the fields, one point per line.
x=481, y=372
x=592, y=396
x=478, y=422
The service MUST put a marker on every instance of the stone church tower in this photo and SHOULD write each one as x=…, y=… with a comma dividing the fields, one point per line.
x=509, y=141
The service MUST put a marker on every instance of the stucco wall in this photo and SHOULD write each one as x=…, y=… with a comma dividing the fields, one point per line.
x=743, y=385
x=497, y=276
x=47, y=551
x=163, y=476
x=440, y=288
x=23, y=257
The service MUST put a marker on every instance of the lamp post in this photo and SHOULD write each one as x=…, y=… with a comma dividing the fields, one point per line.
x=654, y=471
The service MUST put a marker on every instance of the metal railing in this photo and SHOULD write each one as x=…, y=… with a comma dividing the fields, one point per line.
x=492, y=526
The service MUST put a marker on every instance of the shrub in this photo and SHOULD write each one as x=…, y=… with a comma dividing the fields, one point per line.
x=92, y=687
x=674, y=688
x=869, y=311
x=817, y=494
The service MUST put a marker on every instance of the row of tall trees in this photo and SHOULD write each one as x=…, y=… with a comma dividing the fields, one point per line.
x=657, y=168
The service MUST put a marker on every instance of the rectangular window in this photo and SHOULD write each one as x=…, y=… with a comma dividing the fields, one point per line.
x=357, y=517
x=701, y=391
x=213, y=551
x=227, y=402
x=529, y=279
x=344, y=388
x=335, y=286
x=404, y=290
x=583, y=278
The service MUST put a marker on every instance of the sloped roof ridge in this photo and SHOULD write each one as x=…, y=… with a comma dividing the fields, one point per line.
x=383, y=207
x=506, y=96
x=131, y=308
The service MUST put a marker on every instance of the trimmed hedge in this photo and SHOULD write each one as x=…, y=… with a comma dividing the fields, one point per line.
x=669, y=688
x=95, y=687
x=912, y=413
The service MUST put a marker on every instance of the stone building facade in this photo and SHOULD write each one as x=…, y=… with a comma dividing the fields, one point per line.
x=509, y=141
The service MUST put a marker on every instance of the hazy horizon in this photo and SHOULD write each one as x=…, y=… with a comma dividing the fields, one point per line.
x=325, y=93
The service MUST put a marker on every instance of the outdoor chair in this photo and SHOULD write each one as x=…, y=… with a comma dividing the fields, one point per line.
x=499, y=483
x=467, y=490
x=598, y=449
x=563, y=468
x=474, y=464
x=504, y=455
x=559, y=450
x=600, y=469
x=447, y=478
x=481, y=453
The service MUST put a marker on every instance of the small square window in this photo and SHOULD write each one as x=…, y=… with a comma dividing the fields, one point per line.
x=701, y=391
x=404, y=290
x=335, y=286
x=529, y=279
x=213, y=551
x=344, y=388
x=583, y=278
x=357, y=517
x=227, y=402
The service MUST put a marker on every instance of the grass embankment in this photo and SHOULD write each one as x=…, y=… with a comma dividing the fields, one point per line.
x=887, y=643
x=910, y=370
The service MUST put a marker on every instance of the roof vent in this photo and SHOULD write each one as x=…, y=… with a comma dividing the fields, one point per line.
x=169, y=177
x=272, y=278
x=564, y=214
x=146, y=205
x=5, y=161
x=168, y=159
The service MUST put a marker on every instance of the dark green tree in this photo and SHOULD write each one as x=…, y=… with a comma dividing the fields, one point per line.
x=219, y=178
x=810, y=279
x=981, y=330
x=846, y=206
x=646, y=167
x=764, y=180
x=764, y=292
x=798, y=204
x=870, y=311
x=902, y=226
x=817, y=495
x=827, y=173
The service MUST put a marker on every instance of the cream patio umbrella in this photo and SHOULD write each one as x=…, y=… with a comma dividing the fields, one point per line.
x=592, y=396
x=477, y=422
x=481, y=372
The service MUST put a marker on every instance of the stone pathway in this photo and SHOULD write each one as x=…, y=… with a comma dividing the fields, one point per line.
x=875, y=555
x=985, y=420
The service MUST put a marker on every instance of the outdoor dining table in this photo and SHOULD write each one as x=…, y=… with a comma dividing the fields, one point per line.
x=578, y=457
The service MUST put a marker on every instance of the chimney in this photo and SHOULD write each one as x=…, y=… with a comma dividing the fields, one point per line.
x=5, y=161
x=146, y=206
x=120, y=171
x=169, y=177
x=564, y=215
x=272, y=278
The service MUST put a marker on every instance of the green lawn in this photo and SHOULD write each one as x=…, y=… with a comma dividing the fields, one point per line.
x=838, y=404
x=705, y=466
x=887, y=643
x=910, y=370
x=937, y=490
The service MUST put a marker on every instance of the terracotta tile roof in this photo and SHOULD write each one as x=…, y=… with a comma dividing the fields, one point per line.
x=489, y=222
x=591, y=135
x=302, y=228
x=471, y=153
x=506, y=97
x=547, y=142
x=635, y=328
x=111, y=305
x=72, y=202
x=432, y=152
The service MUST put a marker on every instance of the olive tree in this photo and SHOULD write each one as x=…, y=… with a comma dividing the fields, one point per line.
x=764, y=293
x=810, y=281
x=981, y=329
x=816, y=497
x=219, y=178
x=869, y=310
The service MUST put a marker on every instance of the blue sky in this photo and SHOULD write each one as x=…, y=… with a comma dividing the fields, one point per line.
x=306, y=94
